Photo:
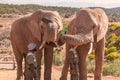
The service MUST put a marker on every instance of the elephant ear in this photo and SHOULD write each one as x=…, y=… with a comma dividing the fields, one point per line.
x=102, y=24
x=34, y=22
x=35, y=29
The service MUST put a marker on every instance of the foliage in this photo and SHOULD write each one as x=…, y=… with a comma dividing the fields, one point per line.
x=109, y=68
x=6, y=16
x=64, y=28
x=112, y=68
x=91, y=56
x=113, y=14
x=109, y=50
x=114, y=26
x=90, y=65
x=113, y=40
x=5, y=34
x=5, y=46
x=25, y=9
x=113, y=56
x=58, y=60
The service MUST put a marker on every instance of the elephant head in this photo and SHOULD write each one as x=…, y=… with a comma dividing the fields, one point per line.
x=86, y=27
x=45, y=26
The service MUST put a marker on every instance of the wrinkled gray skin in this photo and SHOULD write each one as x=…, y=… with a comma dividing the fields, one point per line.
x=41, y=28
x=89, y=26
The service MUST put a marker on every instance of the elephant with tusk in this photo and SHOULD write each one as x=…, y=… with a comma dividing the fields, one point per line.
x=42, y=28
x=87, y=29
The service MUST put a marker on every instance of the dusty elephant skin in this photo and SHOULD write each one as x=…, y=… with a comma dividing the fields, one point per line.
x=88, y=26
x=40, y=28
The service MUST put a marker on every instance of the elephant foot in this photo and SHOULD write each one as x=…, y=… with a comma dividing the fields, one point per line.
x=63, y=78
x=28, y=78
x=20, y=78
x=74, y=77
x=36, y=79
x=97, y=78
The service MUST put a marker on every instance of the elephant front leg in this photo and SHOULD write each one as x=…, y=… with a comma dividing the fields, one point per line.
x=48, y=58
x=19, y=59
x=66, y=65
x=65, y=69
x=99, y=56
x=82, y=53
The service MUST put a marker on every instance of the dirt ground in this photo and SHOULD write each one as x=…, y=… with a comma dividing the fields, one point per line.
x=56, y=72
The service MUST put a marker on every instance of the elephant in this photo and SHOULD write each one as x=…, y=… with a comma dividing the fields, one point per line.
x=42, y=28
x=85, y=32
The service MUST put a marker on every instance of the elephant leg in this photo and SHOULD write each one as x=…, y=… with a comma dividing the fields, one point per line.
x=66, y=64
x=82, y=54
x=48, y=58
x=38, y=60
x=19, y=59
x=99, y=56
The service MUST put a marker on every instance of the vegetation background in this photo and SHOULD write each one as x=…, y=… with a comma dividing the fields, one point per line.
x=8, y=13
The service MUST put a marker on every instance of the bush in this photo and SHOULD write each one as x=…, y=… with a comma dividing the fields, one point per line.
x=113, y=26
x=5, y=34
x=109, y=68
x=112, y=68
x=109, y=50
x=113, y=56
x=90, y=65
x=113, y=40
x=57, y=60
x=64, y=28
x=91, y=56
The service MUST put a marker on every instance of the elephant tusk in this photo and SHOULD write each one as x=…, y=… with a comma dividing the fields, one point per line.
x=42, y=45
x=91, y=47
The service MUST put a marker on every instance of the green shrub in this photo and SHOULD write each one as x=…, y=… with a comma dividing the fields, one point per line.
x=111, y=49
x=112, y=68
x=113, y=56
x=64, y=28
x=57, y=60
x=90, y=65
x=113, y=40
x=109, y=68
x=91, y=56
x=114, y=26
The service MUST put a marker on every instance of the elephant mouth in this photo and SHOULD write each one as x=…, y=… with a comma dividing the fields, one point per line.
x=43, y=43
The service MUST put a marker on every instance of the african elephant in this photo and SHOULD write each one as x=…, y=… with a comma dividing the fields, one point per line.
x=88, y=28
x=41, y=28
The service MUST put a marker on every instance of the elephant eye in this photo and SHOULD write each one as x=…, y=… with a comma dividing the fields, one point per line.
x=46, y=20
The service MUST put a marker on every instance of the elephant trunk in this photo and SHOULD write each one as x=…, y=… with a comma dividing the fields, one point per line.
x=45, y=36
x=78, y=39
